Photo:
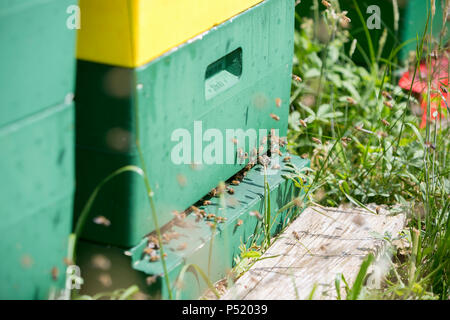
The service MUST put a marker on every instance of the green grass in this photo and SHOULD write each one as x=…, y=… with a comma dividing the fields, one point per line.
x=370, y=153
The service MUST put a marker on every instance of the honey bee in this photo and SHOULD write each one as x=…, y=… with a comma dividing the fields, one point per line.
x=211, y=225
x=345, y=19
x=151, y=280
x=211, y=216
x=234, y=140
x=295, y=234
x=304, y=156
x=377, y=209
x=207, y=203
x=316, y=140
x=278, y=102
x=153, y=241
x=387, y=95
x=287, y=159
x=344, y=144
x=428, y=144
x=326, y=4
x=444, y=89
x=230, y=190
x=388, y=104
x=382, y=134
x=235, y=182
x=154, y=258
x=346, y=139
x=182, y=181
x=55, y=273
x=101, y=220
x=385, y=122
x=275, y=117
x=256, y=214
x=351, y=101
x=67, y=261
x=276, y=166
x=221, y=219
x=239, y=223
x=148, y=251
x=296, y=78
x=213, y=192
x=303, y=123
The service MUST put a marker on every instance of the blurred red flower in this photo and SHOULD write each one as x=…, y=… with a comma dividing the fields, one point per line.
x=439, y=87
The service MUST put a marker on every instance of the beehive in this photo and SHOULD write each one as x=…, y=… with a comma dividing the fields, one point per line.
x=234, y=75
x=37, y=64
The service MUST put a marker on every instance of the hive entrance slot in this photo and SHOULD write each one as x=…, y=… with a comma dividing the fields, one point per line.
x=223, y=73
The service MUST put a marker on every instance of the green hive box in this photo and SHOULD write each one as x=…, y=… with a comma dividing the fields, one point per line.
x=36, y=56
x=231, y=77
x=36, y=196
x=37, y=64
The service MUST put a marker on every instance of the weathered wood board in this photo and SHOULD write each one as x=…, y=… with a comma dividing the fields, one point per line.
x=330, y=241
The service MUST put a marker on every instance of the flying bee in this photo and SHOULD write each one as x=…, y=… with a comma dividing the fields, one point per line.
x=387, y=95
x=296, y=78
x=326, y=4
x=351, y=101
x=182, y=246
x=287, y=159
x=278, y=102
x=151, y=280
x=256, y=214
x=234, y=140
x=385, y=122
x=182, y=181
x=275, y=117
x=303, y=123
x=316, y=140
x=345, y=19
x=346, y=139
x=276, y=166
x=239, y=223
x=428, y=144
x=55, y=273
x=388, y=104
x=101, y=220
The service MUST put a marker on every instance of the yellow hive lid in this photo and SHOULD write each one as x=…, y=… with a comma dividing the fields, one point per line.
x=131, y=33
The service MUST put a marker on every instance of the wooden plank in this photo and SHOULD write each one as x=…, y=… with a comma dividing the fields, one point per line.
x=330, y=241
